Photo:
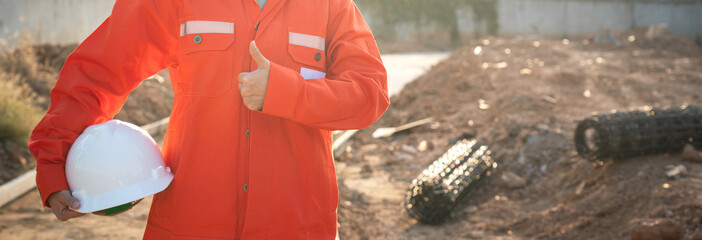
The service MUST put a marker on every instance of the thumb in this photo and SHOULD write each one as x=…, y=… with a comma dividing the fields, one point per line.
x=67, y=199
x=261, y=61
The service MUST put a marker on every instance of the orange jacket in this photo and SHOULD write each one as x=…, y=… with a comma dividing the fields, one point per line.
x=238, y=173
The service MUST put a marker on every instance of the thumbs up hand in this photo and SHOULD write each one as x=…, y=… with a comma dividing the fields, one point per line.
x=253, y=85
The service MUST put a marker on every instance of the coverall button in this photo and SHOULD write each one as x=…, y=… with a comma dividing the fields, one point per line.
x=247, y=133
x=318, y=56
x=245, y=187
x=197, y=39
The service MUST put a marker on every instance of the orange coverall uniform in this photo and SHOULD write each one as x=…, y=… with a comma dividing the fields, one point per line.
x=238, y=173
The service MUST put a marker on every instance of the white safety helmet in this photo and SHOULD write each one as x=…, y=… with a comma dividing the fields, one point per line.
x=112, y=166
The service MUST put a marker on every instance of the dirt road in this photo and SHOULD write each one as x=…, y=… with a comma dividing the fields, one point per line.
x=26, y=218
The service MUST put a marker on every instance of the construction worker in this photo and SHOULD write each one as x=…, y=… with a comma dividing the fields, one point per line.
x=259, y=87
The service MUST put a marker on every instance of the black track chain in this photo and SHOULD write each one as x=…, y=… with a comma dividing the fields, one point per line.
x=448, y=181
x=637, y=133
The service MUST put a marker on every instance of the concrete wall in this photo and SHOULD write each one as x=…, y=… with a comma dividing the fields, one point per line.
x=685, y=19
x=558, y=17
x=71, y=21
x=52, y=21
x=561, y=17
x=569, y=17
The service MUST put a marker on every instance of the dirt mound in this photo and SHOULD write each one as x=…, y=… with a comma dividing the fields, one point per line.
x=523, y=98
x=661, y=38
x=149, y=102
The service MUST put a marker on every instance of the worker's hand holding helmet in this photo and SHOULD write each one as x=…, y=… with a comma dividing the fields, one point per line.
x=63, y=205
x=253, y=85
x=110, y=168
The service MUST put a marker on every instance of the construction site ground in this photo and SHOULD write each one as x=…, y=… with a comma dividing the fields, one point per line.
x=522, y=97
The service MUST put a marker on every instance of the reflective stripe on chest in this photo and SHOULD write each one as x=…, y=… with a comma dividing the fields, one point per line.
x=305, y=40
x=197, y=27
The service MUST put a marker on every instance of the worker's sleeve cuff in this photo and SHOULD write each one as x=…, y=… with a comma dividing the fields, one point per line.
x=284, y=86
x=50, y=179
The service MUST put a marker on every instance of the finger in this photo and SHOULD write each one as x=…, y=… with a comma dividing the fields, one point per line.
x=247, y=104
x=65, y=199
x=245, y=92
x=244, y=78
x=68, y=200
x=65, y=214
x=241, y=77
x=60, y=217
x=68, y=214
x=58, y=213
x=261, y=61
x=251, y=105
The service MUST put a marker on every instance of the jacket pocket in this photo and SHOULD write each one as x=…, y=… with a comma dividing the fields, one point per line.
x=308, y=51
x=206, y=63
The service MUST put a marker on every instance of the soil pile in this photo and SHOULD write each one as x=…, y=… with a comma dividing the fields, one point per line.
x=523, y=98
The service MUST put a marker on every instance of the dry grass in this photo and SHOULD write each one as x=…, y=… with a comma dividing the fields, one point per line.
x=24, y=83
x=18, y=113
x=23, y=61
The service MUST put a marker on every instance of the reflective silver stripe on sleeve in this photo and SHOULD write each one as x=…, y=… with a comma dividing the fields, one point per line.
x=305, y=40
x=197, y=27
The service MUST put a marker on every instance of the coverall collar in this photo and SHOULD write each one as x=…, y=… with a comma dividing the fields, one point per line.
x=272, y=7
